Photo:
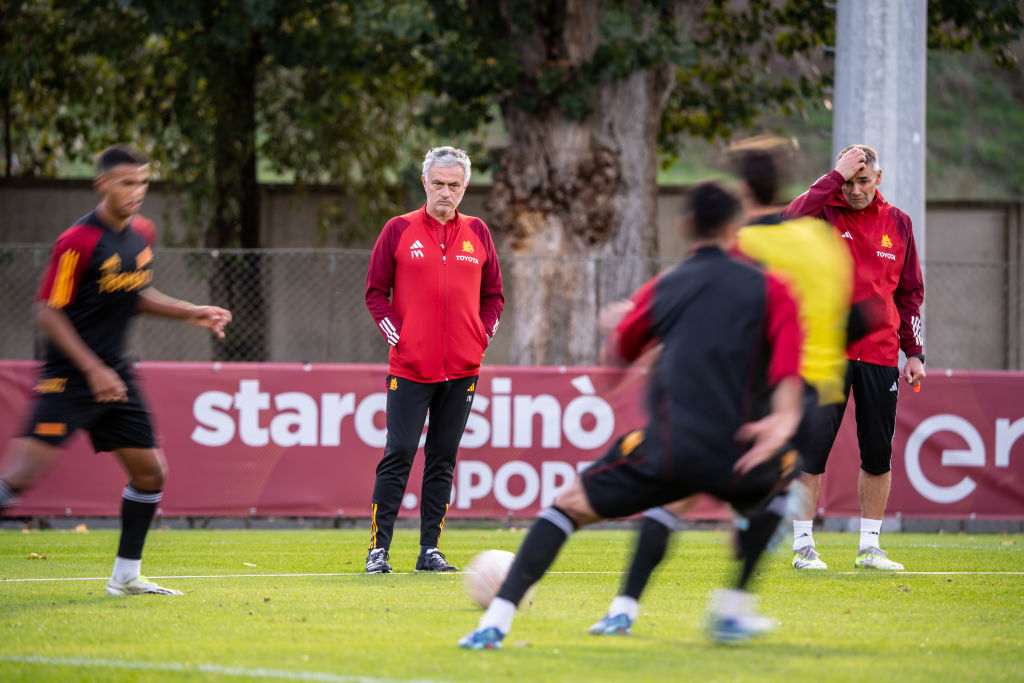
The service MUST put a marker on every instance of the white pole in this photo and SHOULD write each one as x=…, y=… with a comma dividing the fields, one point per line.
x=879, y=99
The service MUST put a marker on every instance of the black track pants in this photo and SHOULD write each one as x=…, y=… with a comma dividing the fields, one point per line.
x=409, y=402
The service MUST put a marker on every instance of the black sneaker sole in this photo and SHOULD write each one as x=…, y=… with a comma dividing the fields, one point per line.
x=454, y=570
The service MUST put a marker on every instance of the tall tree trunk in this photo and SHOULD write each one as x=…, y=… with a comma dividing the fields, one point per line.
x=575, y=202
x=237, y=279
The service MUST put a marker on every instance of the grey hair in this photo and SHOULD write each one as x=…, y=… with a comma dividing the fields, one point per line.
x=447, y=156
x=870, y=156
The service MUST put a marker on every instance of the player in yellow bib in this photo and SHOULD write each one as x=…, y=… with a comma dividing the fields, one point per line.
x=810, y=256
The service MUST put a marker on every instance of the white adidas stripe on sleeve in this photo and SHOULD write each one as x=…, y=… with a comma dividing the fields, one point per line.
x=390, y=333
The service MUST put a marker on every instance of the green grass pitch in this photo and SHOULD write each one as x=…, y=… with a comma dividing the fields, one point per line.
x=293, y=605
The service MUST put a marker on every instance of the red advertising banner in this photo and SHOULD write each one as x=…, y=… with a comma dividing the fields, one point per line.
x=255, y=439
x=958, y=451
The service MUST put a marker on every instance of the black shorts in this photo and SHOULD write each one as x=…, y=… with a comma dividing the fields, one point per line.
x=64, y=404
x=875, y=391
x=632, y=476
x=808, y=430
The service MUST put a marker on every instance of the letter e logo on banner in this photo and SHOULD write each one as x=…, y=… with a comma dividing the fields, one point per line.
x=974, y=456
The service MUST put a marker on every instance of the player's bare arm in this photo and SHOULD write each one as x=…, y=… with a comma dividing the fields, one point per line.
x=213, y=318
x=106, y=384
x=611, y=314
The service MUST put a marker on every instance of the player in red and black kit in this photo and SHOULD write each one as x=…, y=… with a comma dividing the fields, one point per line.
x=886, y=267
x=725, y=397
x=434, y=289
x=98, y=278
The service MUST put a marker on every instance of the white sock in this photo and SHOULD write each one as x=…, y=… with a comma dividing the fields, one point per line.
x=623, y=604
x=802, y=534
x=731, y=601
x=126, y=570
x=869, y=532
x=499, y=614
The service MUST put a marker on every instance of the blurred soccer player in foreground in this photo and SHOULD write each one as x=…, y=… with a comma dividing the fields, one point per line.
x=809, y=255
x=98, y=278
x=730, y=342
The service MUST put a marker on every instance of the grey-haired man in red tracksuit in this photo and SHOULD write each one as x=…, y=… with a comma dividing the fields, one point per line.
x=886, y=268
x=434, y=289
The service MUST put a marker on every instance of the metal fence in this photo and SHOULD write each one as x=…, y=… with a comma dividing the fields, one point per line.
x=307, y=306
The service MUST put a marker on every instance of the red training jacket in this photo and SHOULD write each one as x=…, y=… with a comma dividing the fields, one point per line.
x=881, y=240
x=435, y=292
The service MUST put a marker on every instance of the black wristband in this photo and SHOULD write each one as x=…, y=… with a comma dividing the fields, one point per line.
x=919, y=356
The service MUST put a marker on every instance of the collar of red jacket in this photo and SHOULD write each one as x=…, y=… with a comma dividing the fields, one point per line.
x=434, y=223
x=840, y=201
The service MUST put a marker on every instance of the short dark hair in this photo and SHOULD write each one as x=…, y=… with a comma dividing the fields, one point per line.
x=117, y=155
x=760, y=171
x=712, y=208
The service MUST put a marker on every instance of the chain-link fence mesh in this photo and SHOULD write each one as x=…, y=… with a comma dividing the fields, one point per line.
x=973, y=315
x=307, y=306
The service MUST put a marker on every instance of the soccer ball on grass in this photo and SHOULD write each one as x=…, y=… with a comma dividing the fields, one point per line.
x=485, y=574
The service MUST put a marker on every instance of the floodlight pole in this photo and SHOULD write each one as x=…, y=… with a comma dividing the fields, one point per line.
x=879, y=98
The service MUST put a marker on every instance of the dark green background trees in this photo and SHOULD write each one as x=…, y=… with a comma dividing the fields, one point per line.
x=590, y=96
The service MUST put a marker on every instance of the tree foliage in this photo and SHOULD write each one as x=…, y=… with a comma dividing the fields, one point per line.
x=335, y=86
x=60, y=96
x=321, y=92
x=734, y=61
x=349, y=93
x=994, y=26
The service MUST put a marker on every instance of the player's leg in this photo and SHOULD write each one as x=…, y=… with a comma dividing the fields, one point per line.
x=818, y=433
x=147, y=472
x=651, y=544
x=570, y=510
x=27, y=459
x=62, y=406
x=753, y=535
x=125, y=429
x=537, y=552
x=405, y=413
x=449, y=411
x=760, y=497
x=875, y=392
x=615, y=485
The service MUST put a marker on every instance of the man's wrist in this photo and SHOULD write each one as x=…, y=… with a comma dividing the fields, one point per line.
x=919, y=356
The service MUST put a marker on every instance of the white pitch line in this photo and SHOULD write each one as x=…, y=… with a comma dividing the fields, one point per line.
x=870, y=572
x=177, y=667
x=257, y=576
x=200, y=576
x=862, y=572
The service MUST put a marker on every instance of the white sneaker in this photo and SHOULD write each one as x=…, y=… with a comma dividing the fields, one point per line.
x=137, y=586
x=808, y=558
x=875, y=558
x=731, y=617
x=732, y=629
